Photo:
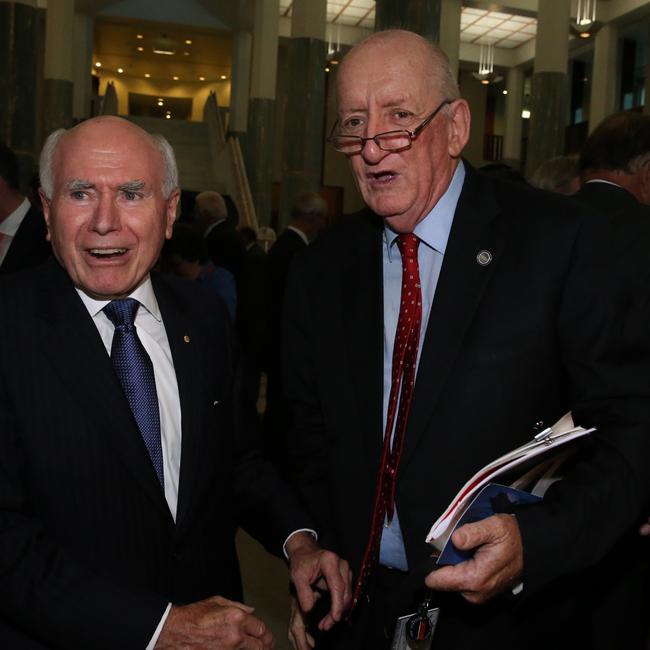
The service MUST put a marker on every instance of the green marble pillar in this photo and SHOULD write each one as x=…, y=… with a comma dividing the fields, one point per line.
x=421, y=16
x=303, y=125
x=258, y=145
x=18, y=66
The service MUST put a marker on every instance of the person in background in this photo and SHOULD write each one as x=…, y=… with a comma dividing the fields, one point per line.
x=23, y=241
x=183, y=255
x=559, y=174
x=308, y=217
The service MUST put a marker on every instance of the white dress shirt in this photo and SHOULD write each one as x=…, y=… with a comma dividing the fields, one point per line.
x=9, y=227
x=152, y=334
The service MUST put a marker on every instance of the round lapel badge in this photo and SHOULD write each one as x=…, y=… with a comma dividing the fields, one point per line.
x=484, y=258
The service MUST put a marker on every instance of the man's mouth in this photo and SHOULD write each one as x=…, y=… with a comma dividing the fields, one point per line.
x=382, y=177
x=106, y=253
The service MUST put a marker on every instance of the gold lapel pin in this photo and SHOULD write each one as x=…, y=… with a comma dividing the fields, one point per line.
x=186, y=338
x=484, y=258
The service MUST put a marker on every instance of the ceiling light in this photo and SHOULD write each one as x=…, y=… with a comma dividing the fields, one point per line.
x=147, y=75
x=201, y=78
x=584, y=34
x=223, y=77
x=98, y=64
x=186, y=53
x=120, y=70
x=166, y=52
x=175, y=78
x=140, y=48
x=139, y=36
x=525, y=114
x=504, y=92
x=327, y=69
x=188, y=41
x=168, y=116
x=160, y=102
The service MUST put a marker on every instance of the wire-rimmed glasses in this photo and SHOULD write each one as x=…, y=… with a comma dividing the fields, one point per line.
x=388, y=141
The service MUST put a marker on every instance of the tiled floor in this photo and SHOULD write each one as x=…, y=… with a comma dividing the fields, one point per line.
x=266, y=583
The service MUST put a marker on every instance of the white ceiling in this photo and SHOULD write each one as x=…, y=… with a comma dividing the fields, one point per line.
x=356, y=13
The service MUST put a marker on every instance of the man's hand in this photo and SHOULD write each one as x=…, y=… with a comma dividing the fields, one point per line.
x=216, y=623
x=312, y=567
x=497, y=564
x=299, y=638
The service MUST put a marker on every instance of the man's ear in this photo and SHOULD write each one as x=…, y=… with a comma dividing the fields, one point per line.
x=171, y=212
x=45, y=203
x=459, y=125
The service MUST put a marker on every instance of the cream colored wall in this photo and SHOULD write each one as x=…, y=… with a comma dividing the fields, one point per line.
x=198, y=91
x=475, y=94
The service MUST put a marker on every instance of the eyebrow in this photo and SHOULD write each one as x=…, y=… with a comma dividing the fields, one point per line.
x=132, y=186
x=80, y=184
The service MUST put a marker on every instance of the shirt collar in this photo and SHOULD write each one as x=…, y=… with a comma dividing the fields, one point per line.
x=11, y=224
x=144, y=294
x=434, y=229
x=300, y=234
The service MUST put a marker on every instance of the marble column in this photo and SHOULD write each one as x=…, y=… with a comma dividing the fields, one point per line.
x=550, y=84
x=421, y=16
x=242, y=44
x=83, y=39
x=58, y=71
x=603, y=75
x=260, y=142
x=18, y=79
x=302, y=167
x=450, y=11
x=514, y=101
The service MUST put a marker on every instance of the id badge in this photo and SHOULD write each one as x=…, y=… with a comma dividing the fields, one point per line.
x=415, y=631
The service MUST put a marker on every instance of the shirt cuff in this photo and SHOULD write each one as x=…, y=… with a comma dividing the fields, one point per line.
x=300, y=530
x=518, y=589
x=156, y=634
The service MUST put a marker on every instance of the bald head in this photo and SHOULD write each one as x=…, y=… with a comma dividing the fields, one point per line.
x=106, y=127
x=415, y=55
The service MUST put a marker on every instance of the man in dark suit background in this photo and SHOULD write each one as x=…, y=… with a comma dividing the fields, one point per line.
x=507, y=318
x=119, y=493
x=22, y=229
x=308, y=217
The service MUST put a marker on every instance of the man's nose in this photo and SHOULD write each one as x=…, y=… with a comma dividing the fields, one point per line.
x=372, y=153
x=106, y=216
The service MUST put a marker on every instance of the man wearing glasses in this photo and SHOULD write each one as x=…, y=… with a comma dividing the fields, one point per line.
x=430, y=334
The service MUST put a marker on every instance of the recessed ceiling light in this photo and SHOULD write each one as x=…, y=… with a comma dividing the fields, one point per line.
x=186, y=53
x=327, y=69
x=505, y=92
x=147, y=75
x=140, y=48
x=139, y=36
x=98, y=64
x=525, y=114
x=201, y=78
x=168, y=116
x=223, y=77
x=160, y=102
x=120, y=70
x=175, y=78
x=188, y=41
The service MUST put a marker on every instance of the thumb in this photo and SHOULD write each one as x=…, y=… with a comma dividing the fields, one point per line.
x=469, y=536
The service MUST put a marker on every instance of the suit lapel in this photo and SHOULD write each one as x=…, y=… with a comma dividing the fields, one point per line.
x=458, y=294
x=363, y=324
x=71, y=342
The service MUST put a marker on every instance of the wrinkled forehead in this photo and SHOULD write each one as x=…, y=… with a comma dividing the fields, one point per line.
x=104, y=150
x=384, y=73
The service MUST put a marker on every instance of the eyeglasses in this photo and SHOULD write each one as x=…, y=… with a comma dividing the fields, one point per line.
x=387, y=141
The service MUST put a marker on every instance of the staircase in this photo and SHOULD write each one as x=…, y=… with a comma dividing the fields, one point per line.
x=190, y=141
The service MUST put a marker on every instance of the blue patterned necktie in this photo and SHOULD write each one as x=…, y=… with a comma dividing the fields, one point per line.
x=135, y=372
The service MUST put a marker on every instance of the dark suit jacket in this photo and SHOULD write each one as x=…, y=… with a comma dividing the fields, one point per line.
x=89, y=553
x=276, y=417
x=523, y=339
x=29, y=246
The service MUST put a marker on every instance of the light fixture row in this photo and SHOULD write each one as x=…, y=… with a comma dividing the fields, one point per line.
x=147, y=75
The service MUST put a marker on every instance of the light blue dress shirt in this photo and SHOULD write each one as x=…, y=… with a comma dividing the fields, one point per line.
x=433, y=232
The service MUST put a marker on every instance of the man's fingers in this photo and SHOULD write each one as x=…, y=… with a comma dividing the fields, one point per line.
x=333, y=571
x=225, y=602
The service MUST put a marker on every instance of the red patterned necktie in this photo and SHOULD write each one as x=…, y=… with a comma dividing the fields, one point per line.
x=405, y=354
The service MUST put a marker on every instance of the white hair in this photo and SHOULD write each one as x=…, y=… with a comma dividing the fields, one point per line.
x=46, y=162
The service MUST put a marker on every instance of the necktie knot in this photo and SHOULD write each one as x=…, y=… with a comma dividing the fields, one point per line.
x=408, y=244
x=122, y=312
